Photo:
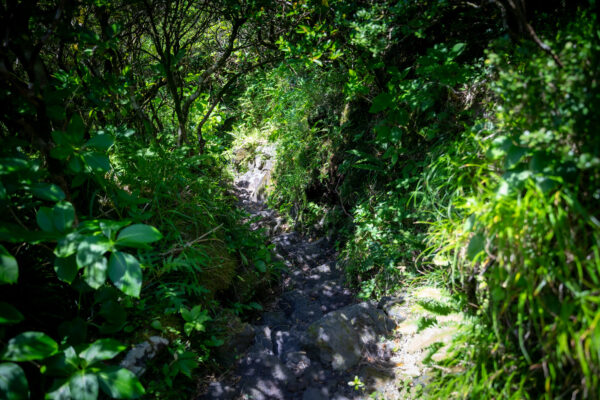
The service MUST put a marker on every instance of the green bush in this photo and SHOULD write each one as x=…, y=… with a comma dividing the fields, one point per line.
x=530, y=226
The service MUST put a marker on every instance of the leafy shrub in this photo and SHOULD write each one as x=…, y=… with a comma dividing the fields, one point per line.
x=529, y=227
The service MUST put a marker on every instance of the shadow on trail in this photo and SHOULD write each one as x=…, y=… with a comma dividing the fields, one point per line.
x=316, y=337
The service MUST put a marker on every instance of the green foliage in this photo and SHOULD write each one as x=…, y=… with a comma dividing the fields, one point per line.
x=428, y=138
x=531, y=226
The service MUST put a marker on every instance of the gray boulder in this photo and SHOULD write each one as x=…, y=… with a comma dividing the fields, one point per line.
x=341, y=336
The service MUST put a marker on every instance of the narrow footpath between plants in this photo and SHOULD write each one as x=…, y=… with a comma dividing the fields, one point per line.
x=316, y=341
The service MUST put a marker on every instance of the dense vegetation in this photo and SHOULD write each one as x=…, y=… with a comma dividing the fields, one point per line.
x=449, y=141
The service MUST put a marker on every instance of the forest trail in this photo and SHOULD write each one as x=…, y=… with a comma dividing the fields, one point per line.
x=316, y=337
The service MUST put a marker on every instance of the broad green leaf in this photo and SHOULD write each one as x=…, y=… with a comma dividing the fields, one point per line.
x=120, y=383
x=91, y=249
x=186, y=362
x=44, y=218
x=47, y=191
x=102, y=349
x=62, y=364
x=458, y=48
x=97, y=162
x=9, y=269
x=94, y=274
x=62, y=391
x=381, y=102
x=29, y=346
x=260, y=265
x=76, y=129
x=101, y=142
x=125, y=272
x=67, y=245
x=66, y=268
x=9, y=315
x=476, y=246
x=12, y=164
x=514, y=155
x=138, y=235
x=75, y=165
x=63, y=215
x=60, y=138
x=110, y=228
x=186, y=314
x=188, y=328
x=13, y=383
x=83, y=386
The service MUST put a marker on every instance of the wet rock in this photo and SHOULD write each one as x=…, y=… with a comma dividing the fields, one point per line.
x=340, y=336
x=137, y=358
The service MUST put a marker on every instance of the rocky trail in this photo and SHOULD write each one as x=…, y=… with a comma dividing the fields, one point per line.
x=316, y=337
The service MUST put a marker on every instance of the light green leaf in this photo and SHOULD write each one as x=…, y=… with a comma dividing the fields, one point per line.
x=66, y=268
x=47, y=191
x=83, y=386
x=458, y=48
x=138, y=235
x=102, y=349
x=188, y=328
x=125, y=272
x=94, y=274
x=29, y=346
x=9, y=269
x=13, y=383
x=9, y=315
x=90, y=249
x=120, y=383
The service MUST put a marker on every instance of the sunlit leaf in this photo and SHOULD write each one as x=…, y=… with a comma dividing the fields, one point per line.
x=120, y=383
x=102, y=349
x=94, y=273
x=13, y=383
x=9, y=269
x=83, y=386
x=138, y=235
x=29, y=346
x=125, y=272
x=47, y=191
